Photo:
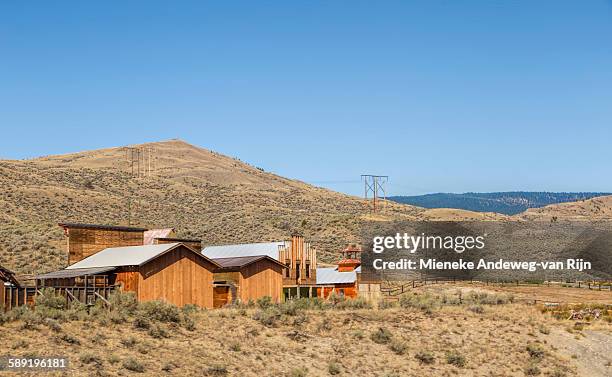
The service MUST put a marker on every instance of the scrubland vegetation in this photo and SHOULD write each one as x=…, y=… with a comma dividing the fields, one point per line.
x=425, y=333
x=202, y=194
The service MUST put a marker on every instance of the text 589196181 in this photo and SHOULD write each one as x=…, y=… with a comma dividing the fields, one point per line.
x=14, y=363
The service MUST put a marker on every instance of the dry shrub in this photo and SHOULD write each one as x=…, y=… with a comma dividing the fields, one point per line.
x=456, y=359
x=425, y=357
x=160, y=311
x=398, y=347
x=133, y=365
x=381, y=336
x=535, y=351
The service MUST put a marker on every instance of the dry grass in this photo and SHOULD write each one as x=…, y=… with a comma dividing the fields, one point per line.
x=305, y=338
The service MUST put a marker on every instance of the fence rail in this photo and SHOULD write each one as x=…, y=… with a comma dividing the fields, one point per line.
x=396, y=290
x=19, y=296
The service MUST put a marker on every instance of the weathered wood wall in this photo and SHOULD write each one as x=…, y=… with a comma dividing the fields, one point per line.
x=259, y=279
x=179, y=277
x=256, y=280
x=301, y=261
x=221, y=296
x=83, y=242
x=128, y=279
x=13, y=297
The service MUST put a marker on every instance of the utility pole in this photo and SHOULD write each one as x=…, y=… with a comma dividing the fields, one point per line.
x=375, y=184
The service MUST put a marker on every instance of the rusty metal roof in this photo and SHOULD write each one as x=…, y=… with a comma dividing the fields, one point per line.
x=239, y=262
x=151, y=234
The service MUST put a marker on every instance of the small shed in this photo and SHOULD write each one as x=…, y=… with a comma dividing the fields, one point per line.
x=172, y=272
x=247, y=278
x=329, y=280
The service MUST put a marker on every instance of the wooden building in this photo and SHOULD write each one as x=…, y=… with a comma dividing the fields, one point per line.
x=84, y=240
x=331, y=280
x=247, y=279
x=12, y=293
x=171, y=272
x=298, y=257
x=300, y=260
x=346, y=279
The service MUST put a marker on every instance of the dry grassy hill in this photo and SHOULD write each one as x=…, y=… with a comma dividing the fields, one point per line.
x=592, y=209
x=202, y=193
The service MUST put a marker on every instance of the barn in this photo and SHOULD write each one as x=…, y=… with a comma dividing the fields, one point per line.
x=172, y=272
x=246, y=279
x=297, y=256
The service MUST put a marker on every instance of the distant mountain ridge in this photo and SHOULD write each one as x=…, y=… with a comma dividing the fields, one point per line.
x=509, y=203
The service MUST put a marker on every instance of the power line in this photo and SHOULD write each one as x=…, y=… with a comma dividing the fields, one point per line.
x=375, y=184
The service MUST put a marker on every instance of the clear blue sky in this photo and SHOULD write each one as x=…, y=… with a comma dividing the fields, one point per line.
x=447, y=96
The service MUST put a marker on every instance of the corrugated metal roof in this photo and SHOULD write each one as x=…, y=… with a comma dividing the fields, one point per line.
x=243, y=250
x=330, y=275
x=123, y=256
x=61, y=274
x=238, y=262
x=152, y=234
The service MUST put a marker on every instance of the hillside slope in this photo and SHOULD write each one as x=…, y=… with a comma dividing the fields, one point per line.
x=592, y=209
x=202, y=193
x=509, y=203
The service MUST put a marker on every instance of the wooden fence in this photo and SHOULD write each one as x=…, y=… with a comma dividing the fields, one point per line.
x=395, y=290
x=19, y=296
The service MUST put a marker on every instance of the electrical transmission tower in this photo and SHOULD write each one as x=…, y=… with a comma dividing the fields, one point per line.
x=375, y=184
x=141, y=164
x=141, y=161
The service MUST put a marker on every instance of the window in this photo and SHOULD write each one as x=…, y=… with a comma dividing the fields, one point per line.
x=298, y=274
x=307, y=270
